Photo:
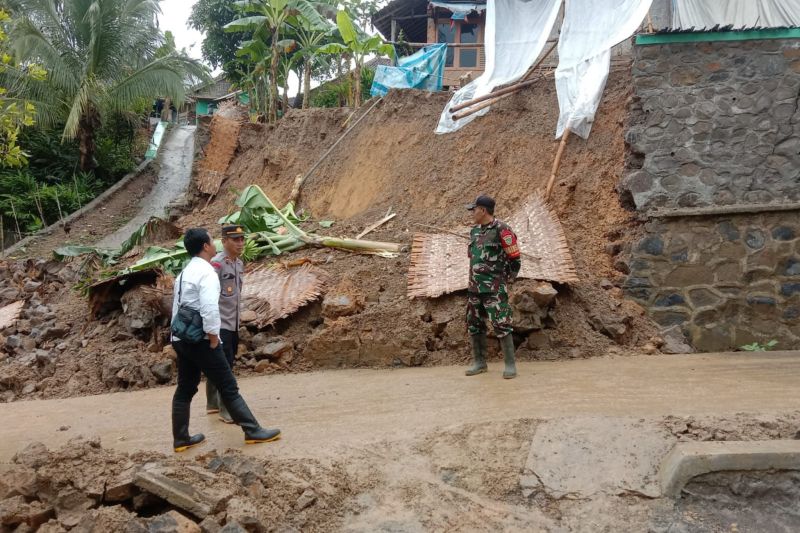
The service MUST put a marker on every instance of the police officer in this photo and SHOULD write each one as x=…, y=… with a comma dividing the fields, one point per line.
x=230, y=271
x=197, y=289
x=494, y=261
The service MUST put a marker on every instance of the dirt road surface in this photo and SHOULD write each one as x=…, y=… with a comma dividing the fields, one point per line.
x=324, y=413
x=176, y=170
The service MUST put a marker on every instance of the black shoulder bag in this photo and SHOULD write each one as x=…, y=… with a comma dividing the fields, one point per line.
x=187, y=324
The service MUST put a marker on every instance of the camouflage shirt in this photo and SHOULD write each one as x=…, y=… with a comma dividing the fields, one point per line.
x=494, y=257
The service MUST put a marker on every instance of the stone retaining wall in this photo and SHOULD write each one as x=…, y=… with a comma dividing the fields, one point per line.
x=724, y=282
x=711, y=125
x=714, y=124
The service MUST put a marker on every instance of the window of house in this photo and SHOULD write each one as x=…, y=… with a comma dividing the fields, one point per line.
x=447, y=34
x=467, y=56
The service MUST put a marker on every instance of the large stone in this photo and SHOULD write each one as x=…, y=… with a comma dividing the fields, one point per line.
x=704, y=297
x=687, y=275
x=610, y=326
x=244, y=512
x=163, y=371
x=172, y=522
x=670, y=318
x=18, y=480
x=715, y=339
x=652, y=245
x=675, y=341
x=273, y=350
x=342, y=300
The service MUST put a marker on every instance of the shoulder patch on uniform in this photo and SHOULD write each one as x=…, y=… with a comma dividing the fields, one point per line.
x=509, y=242
x=216, y=265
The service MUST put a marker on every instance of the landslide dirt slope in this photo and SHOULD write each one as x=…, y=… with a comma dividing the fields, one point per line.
x=393, y=160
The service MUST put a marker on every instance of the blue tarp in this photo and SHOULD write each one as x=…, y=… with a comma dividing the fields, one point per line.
x=423, y=70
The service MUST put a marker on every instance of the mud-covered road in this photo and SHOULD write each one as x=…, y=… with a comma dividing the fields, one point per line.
x=322, y=412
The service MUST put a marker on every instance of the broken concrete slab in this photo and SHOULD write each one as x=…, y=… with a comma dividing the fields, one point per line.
x=199, y=503
x=687, y=460
x=581, y=457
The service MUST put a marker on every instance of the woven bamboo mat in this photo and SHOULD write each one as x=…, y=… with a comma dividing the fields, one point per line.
x=439, y=262
x=10, y=313
x=277, y=292
x=220, y=150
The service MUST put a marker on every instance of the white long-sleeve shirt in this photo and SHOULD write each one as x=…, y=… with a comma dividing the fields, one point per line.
x=200, y=292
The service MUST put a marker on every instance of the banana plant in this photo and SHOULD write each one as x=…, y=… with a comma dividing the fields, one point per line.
x=307, y=41
x=357, y=44
x=269, y=17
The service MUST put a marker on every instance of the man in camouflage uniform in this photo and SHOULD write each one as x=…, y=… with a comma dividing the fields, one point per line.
x=230, y=271
x=494, y=260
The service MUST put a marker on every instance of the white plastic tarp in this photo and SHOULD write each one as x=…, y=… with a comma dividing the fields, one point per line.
x=705, y=14
x=589, y=31
x=516, y=32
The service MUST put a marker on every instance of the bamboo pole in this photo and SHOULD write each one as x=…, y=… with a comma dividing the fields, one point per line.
x=38, y=201
x=482, y=105
x=16, y=220
x=58, y=203
x=494, y=98
x=509, y=89
x=301, y=179
x=376, y=225
x=556, y=164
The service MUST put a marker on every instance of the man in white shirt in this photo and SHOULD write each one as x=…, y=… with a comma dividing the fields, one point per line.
x=198, y=288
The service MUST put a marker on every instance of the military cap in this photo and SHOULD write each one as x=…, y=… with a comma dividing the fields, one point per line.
x=482, y=201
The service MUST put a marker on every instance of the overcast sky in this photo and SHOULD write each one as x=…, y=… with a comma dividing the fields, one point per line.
x=174, y=14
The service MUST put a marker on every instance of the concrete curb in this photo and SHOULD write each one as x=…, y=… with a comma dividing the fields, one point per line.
x=97, y=202
x=691, y=459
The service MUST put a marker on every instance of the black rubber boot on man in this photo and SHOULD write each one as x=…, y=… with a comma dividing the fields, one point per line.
x=479, y=349
x=212, y=398
x=253, y=432
x=507, y=344
x=182, y=441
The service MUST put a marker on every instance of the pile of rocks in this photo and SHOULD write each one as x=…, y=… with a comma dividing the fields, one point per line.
x=83, y=487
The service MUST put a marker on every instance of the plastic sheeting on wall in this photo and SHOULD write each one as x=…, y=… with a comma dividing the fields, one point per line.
x=422, y=70
x=516, y=32
x=589, y=31
x=701, y=14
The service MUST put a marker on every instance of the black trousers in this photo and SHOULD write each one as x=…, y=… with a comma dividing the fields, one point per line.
x=199, y=358
x=230, y=344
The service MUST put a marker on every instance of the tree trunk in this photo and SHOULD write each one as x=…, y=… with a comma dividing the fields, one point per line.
x=286, y=94
x=307, y=84
x=357, y=86
x=87, y=127
x=273, y=78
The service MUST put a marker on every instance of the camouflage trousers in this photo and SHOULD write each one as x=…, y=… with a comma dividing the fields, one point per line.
x=493, y=306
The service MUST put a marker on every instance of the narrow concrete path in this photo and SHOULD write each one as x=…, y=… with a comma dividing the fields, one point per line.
x=176, y=159
x=322, y=412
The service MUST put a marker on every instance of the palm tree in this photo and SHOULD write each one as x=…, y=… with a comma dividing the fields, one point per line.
x=269, y=17
x=357, y=44
x=100, y=56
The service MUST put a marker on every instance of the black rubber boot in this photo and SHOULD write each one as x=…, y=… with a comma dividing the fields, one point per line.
x=479, y=349
x=212, y=398
x=507, y=344
x=182, y=441
x=253, y=432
